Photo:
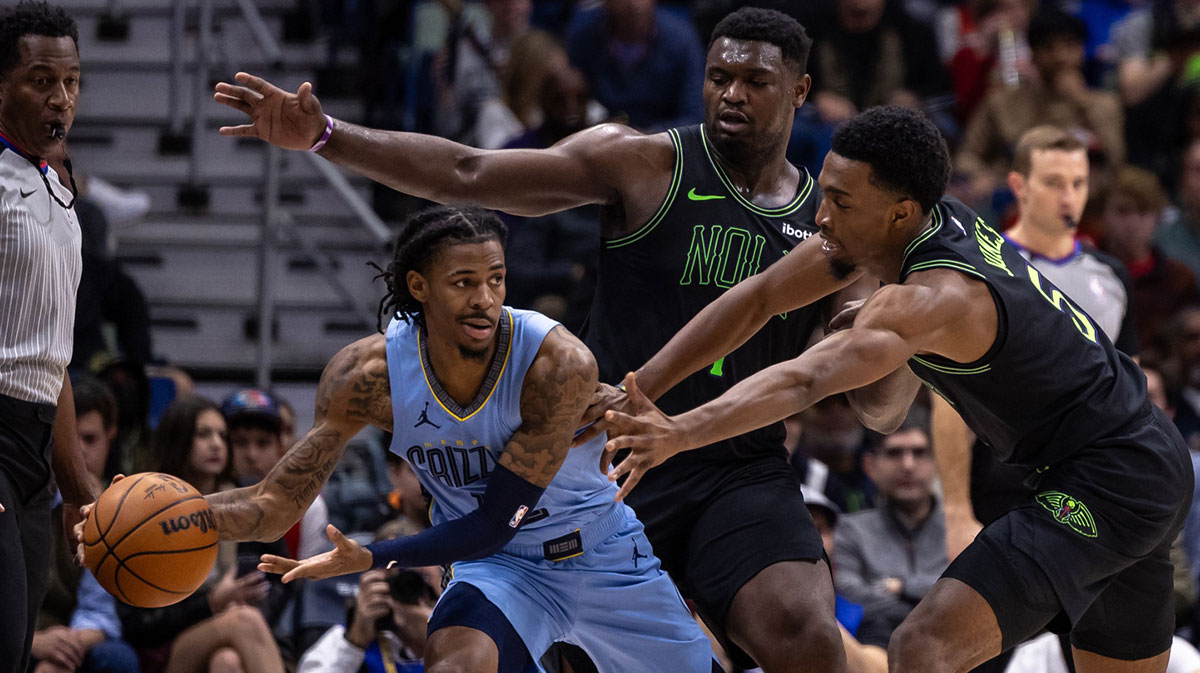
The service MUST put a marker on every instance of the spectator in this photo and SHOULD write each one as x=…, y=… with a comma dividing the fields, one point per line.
x=78, y=628
x=814, y=475
x=1044, y=654
x=516, y=109
x=212, y=630
x=1058, y=96
x=1179, y=235
x=988, y=28
x=865, y=56
x=1185, y=359
x=561, y=249
x=1153, y=46
x=889, y=557
x=832, y=434
x=1130, y=209
x=389, y=617
x=641, y=62
x=467, y=72
x=256, y=444
x=107, y=296
x=860, y=658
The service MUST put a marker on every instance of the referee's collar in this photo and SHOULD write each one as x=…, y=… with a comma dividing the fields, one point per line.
x=42, y=165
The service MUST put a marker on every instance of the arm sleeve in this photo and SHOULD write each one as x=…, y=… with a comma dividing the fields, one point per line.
x=95, y=608
x=481, y=533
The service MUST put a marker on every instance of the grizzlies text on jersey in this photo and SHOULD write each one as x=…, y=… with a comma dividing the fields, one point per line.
x=453, y=448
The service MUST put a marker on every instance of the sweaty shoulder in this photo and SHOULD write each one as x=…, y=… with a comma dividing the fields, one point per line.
x=637, y=166
x=944, y=311
x=355, y=385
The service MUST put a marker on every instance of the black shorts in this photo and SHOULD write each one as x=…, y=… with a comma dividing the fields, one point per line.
x=1088, y=552
x=715, y=525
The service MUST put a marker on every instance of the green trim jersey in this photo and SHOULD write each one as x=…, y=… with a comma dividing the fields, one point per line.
x=1052, y=383
x=705, y=238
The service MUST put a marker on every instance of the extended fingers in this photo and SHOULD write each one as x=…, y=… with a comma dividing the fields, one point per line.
x=235, y=103
x=635, y=475
x=269, y=563
x=243, y=130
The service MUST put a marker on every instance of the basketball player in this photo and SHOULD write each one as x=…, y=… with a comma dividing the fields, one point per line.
x=482, y=401
x=1029, y=372
x=690, y=212
x=39, y=273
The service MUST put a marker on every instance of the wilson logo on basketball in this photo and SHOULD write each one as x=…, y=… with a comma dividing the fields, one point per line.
x=202, y=520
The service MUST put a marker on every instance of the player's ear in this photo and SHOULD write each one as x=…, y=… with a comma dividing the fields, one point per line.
x=418, y=287
x=801, y=90
x=904, y=211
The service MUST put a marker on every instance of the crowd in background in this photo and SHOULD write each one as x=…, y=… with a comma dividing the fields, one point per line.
x=1118, y=80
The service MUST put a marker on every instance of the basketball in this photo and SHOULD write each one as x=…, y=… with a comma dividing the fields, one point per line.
x=150, y=540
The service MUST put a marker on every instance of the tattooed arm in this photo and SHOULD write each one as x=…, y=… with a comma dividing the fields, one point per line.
x=352, y=394
x=555, y=393
x=558, y=387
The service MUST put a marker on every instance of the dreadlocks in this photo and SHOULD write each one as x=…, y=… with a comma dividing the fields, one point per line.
x=423, y=236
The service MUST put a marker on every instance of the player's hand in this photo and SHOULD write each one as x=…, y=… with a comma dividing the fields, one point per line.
x=59, y=646
x=77, y=529
x=606, y=397
x=373, y=601
x=347, y=556
x=293, y=121
x=845, y=317
x=651, y=436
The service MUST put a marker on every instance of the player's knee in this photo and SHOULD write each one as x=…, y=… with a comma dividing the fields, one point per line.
x=795, y=636
x=225, y=660
x=914, y=647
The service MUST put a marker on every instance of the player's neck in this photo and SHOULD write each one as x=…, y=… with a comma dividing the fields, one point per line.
x=460, y=376
x=1054, y=245
x=756, y=177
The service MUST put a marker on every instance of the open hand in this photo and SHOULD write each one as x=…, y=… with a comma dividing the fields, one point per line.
x=77, y=528
x=347, y=556
x=845, y=317
x=651, y=436
x=293, y=121
x=605, y=398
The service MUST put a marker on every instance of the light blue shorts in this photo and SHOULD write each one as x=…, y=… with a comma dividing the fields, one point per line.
x=613, y=600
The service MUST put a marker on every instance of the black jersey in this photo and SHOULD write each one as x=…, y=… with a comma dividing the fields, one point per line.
x=704, y=239
x=1052, y=382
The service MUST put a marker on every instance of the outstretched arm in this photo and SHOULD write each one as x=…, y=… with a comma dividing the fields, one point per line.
x=353, y=393
x=799, y=279
x=589, y=167
x=556, y=390
x=895, y=324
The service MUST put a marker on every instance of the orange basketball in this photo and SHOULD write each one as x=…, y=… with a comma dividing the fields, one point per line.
x=150, y=540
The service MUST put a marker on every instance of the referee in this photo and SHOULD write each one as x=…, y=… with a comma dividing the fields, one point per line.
x=39, y=274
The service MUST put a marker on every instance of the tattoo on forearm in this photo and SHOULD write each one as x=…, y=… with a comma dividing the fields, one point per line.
x=303, y=471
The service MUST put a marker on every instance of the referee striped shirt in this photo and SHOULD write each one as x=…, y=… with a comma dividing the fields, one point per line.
x=39, y=275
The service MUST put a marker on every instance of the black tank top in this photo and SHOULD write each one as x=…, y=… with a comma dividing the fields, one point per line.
x=703, y=240
x=1051, y=383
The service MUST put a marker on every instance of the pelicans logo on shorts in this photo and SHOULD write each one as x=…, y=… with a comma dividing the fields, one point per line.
x=1068, y=511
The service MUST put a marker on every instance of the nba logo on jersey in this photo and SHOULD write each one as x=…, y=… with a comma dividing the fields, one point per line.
x=516, y=520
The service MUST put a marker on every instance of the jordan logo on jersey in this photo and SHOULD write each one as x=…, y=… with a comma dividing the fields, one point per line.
x=423, y=419
x=636, y=555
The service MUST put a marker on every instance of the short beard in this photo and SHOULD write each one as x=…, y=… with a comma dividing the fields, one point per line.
x=840, y=270
x=471, y=354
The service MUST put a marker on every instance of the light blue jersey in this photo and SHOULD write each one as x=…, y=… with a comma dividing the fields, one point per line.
x=453, y=449
x=580, y=568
